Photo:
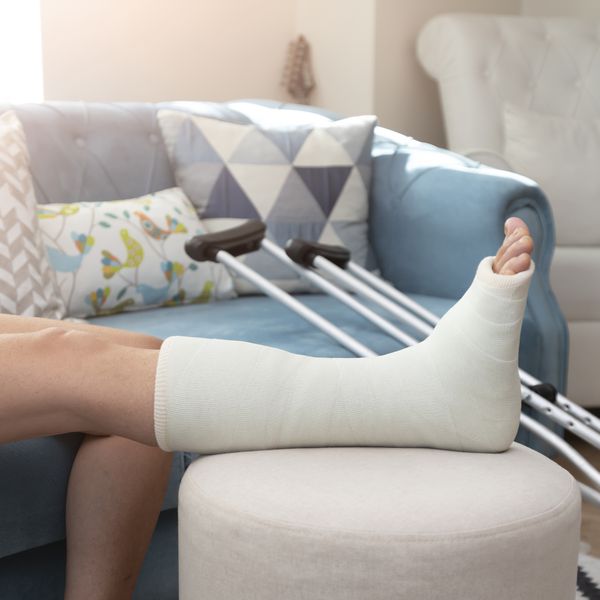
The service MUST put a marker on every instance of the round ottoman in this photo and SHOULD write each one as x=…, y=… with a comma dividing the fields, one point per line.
x=378, y=524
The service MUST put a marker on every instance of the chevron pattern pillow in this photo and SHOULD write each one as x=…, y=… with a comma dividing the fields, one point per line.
x=306, y=180
x=27, y=284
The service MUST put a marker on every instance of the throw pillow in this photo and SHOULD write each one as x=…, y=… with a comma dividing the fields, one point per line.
x=561, y=154
x=304, y=180
x=128, y=254
x=27, y=284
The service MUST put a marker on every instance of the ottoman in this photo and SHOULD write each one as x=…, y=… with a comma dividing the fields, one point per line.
x=378, y=524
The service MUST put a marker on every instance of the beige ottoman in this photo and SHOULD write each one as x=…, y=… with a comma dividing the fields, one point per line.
x=378, y=524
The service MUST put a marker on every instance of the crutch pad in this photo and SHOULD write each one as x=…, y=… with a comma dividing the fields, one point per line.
x=236, y=241
x=304, y=253
x=545, y=390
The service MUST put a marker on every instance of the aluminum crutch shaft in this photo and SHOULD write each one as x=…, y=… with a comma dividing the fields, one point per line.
x=389, y=290
x=364, y=290
x=225, y=245
x=341, y=295
x=559, y=416
x=302, y=310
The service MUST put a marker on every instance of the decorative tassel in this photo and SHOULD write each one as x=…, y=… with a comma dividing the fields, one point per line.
x=298, y=77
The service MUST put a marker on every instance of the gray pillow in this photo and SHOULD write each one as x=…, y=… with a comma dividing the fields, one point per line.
x=307, y=180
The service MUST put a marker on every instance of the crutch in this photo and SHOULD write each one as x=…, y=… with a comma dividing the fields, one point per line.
x=224, y=246
x=332, y=259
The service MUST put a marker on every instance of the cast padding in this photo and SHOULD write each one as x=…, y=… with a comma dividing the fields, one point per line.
x=457, y=390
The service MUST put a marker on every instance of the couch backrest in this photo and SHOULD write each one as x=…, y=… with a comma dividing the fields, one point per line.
x=94, y=152
x=549, y=65
x=91, y=152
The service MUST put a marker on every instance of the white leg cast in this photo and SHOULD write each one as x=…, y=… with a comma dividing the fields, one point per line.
x=459, y=389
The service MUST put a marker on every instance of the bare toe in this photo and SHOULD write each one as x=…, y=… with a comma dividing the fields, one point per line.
x=517, y=264
x=517, y=245
x=513, y=223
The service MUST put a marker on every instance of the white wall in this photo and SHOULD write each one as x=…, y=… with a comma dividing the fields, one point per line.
x=21, y=77
x=363, y=51
x=566, y=8
x=152, y=50
x=342, y=38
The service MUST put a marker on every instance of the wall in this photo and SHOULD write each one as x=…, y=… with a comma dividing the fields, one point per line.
x=363, y=51
x=341, y=34
x=567, y=8
x=154, y=50
x=20, y=52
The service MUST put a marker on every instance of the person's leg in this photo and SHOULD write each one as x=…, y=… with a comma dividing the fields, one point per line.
x=116, y=488
x=215, y=396
x=59, y=380
x=457, y=390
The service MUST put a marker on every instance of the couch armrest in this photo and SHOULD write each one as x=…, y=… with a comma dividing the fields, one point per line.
x=435, y=214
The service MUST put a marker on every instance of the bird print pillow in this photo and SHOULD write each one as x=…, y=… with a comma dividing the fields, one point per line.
x=128, y=254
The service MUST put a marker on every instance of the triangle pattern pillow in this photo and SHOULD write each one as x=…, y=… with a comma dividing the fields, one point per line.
x=306, y=181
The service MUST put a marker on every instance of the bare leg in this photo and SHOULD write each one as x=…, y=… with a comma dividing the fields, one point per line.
x=116, y=488
x=115, y=493
x=57, y=381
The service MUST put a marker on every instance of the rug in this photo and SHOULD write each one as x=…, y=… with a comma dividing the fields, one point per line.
x=588, y=578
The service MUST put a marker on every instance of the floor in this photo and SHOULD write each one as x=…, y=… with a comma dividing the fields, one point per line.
x=590, y=523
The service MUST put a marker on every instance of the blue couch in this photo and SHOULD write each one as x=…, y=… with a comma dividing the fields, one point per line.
x=433, y=216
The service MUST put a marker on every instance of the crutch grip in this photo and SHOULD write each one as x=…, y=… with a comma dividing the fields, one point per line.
x=546, y=391
x=304, y=253
x=237, y=240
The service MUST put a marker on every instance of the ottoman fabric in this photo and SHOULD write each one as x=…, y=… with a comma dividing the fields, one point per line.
x=378, y=523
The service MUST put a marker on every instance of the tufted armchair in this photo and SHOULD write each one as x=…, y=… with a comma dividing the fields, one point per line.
x=545, y=71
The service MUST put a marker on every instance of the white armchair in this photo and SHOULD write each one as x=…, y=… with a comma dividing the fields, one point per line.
x=523, y=94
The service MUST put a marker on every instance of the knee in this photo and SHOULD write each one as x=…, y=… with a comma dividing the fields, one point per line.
x=55, y=339
x=149, y=341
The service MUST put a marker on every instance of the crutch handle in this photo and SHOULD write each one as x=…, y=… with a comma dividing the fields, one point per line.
x=304, y=253
x=237, y=240
x=545, y=390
